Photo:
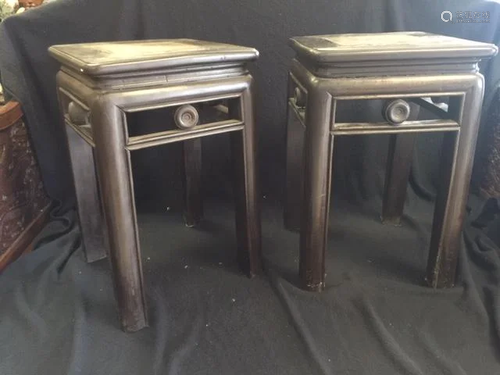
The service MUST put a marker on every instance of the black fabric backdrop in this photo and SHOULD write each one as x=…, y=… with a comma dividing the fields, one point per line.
x=57, y=313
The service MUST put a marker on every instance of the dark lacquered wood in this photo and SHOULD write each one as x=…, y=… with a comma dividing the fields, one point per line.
x=193, y=201
x=98, y=84
x=318, y=154
x=246, y=187
x=117, y=193
x=403, y=47
x=399, y=160
x=294, y=168
x=457, y=157
x=398, y=168
x=131, y=57
x=326, y=79
x=393, y=53
x=89, y=207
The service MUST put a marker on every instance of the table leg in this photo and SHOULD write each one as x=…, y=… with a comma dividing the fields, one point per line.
x=398, y=169
x=87, y=196
x=246, y=191
x=294, y=171
x=318, y=157
x=193, y=201
x=115, y=177
x=456, y=168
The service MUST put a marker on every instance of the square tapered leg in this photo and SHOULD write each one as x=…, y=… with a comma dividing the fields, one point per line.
x=457, y=156
x=92, y=223
x=294, y=185
x=193, y=200
x=115, y=176
x=399, y=160
x=246, y=188
x=318, y=154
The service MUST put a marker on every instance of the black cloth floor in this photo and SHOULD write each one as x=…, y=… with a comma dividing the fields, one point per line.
x=58, y=313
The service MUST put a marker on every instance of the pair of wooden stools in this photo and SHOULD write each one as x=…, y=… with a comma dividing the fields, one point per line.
x=101, y=83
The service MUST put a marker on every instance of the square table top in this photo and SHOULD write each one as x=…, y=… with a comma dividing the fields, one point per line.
x=105, y=58
x=388, y=46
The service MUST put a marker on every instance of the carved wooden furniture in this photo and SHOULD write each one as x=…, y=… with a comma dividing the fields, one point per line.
x=99, y=85
x=24, y=206
x=401, y=68
x=489, y=165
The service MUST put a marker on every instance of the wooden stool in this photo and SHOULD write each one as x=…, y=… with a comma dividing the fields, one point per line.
x=399, y=67
x=99, y=84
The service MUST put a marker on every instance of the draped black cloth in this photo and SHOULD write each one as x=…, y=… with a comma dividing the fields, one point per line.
x=57, y=313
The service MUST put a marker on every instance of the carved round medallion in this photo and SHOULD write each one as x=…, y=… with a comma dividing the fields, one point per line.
x=396, y=111
x=186, y=117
